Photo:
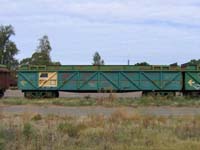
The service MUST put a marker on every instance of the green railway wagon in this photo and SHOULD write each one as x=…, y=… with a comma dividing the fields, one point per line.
x=47, y=81
x=192, y=79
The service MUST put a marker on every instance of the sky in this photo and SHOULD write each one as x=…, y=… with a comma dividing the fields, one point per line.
x=155, y=31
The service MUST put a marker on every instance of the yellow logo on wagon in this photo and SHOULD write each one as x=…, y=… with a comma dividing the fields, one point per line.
x=23, y=82
x=48, y=79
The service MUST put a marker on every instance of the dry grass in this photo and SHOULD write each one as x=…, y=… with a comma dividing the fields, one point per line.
x=120, y=131
x=111, y=101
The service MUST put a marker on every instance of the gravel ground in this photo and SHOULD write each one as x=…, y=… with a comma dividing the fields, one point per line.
x=18, y=93
x=84, y=111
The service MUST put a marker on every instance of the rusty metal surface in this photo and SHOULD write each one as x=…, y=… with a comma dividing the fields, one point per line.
x=3, y=69
x=4, y=79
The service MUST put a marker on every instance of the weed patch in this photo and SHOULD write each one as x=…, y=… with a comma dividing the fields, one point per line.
x=110, y=101
x=121, y=130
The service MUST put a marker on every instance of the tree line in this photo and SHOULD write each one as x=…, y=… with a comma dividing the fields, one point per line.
x=8, y=50
x=41, y=56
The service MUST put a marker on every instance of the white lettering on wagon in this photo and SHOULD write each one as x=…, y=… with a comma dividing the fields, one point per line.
x=194, y=85
x=23, y=82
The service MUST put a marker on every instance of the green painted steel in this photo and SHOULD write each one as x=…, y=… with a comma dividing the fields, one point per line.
x=191, y=77
x=104, y=78
x=191, y=68
x=119, y=81
x=28, y=80
x=192, y=80
x=100, y=68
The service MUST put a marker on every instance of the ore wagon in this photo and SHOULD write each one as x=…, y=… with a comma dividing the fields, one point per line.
x=47, y=81
x=4, y=79
x=191, y=80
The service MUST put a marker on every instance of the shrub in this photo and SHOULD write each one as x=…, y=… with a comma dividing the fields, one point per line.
x=188, y=131
x=112, y=97
x=28, y=130
x=37, y=117
x=68, y=128
x=93, y=136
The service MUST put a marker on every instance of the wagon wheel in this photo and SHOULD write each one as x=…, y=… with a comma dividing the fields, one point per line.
x=31, y=95
x=27, y=95
x=1, y=94
x=56, y=94
x=51, y=94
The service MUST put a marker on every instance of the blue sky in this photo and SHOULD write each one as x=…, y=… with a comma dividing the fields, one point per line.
x=156, y=31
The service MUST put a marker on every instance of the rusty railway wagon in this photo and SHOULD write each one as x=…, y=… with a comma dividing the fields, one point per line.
x=47, y=81
x=4, y=80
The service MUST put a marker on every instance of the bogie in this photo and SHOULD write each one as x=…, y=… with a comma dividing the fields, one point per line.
x=159, y=93
x=41, y=94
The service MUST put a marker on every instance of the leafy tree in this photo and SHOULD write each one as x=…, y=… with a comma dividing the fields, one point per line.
x=42, y=54
x=174, y=64
x=40, y=58
x=142, y=64
x=97, y=59
x=44, y=45
x=57, y=63
x=25, y=61
x=8, y=48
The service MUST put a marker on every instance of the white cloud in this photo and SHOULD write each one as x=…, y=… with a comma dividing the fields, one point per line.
x=183, y=12
x=151, y=30
x=136, y=11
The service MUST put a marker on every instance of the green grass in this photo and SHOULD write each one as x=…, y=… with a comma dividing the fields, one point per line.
x=120, y=131
x=110, y=101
